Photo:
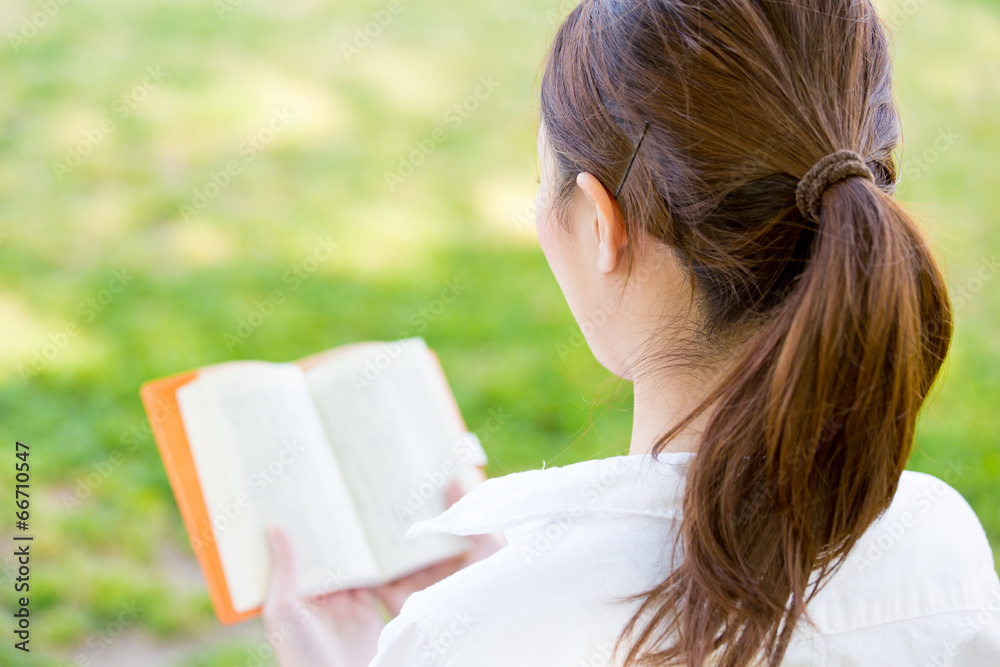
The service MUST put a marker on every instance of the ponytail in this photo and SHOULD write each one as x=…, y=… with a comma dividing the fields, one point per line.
x=812, y=430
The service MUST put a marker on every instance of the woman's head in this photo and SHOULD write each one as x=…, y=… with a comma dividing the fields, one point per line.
x=585, y=245
x=833, y=323
x=742, y=99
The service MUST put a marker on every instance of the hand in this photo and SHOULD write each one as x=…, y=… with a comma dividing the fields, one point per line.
x=394, y=594
x=339, y=629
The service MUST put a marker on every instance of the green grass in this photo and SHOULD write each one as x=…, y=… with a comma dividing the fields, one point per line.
x=462, y=216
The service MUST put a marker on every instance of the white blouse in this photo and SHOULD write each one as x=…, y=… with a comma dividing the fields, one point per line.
x=919, y=589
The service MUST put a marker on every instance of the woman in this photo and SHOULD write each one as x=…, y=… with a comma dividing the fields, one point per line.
x=716, y=204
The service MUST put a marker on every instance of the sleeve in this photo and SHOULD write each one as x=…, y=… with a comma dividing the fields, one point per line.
x=405, y=643
x=973, y=635
x=977, y=641
x=983, y=648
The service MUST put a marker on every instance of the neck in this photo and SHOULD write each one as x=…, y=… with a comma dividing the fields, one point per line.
x=659, y=404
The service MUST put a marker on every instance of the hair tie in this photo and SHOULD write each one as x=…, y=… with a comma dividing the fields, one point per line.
x=829, y=170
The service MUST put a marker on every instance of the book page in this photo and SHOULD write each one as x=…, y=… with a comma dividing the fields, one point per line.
x=262, y=457
x=390, y=417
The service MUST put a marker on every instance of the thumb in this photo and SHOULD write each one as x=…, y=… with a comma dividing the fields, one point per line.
x=483, y=545
x=282, y=585
x=456, y=490
x=453, y=493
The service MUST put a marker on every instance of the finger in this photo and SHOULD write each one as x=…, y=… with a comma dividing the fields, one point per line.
x=282, y=586
x=392, y=600
x=393, y=594
x=346, y=608
x=483, y=545
x=453, y=493
x=456, y=490
x=486, y=544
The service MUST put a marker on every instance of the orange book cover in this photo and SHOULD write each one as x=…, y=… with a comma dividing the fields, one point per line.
x=159, y=398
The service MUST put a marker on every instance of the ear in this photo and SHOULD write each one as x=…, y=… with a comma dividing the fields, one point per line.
x=608, y=225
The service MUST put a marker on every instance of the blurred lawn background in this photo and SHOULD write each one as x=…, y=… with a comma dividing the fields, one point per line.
x=108, y=534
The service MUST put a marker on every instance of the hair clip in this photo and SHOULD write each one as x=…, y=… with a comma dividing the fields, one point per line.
x=632, y=159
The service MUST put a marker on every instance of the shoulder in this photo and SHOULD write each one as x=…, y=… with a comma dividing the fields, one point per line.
x=931, y=536
x=549, y=598
x=920, y=582
x=934, y=528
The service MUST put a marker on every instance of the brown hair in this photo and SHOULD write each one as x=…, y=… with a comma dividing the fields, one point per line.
x=812, y=424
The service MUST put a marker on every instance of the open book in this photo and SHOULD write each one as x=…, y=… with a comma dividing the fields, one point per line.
x=345, y=450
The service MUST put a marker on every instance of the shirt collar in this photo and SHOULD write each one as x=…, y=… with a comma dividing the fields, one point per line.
x=617, y=486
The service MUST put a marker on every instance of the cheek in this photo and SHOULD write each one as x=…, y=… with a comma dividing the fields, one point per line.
x=554, y=239
x=541, y=213
x=553, y=246
x=558, y=247
x=568, y=262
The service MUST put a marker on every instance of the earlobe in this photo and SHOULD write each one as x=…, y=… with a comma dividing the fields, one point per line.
x=609, y=228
